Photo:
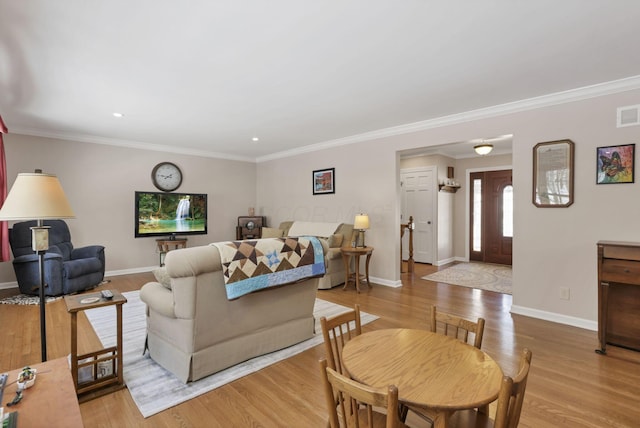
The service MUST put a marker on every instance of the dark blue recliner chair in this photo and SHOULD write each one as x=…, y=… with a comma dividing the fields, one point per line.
x=66, y=269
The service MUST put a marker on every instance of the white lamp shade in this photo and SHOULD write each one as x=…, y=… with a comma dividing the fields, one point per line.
x=361, y=222
x=36, y=196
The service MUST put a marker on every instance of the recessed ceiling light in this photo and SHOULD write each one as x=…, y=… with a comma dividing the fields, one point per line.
x=116, y=114
x=255, y=139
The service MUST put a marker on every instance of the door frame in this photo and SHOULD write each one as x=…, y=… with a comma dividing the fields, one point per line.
x=467, y=205
x=434, y=206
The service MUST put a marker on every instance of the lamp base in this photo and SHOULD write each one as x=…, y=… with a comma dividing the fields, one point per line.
x=361, y=239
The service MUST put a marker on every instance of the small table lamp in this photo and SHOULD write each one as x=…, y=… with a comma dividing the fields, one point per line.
x=361, y=223
x=37, y=196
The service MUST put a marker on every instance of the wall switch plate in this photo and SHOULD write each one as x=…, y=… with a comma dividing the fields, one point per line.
x=565, y=293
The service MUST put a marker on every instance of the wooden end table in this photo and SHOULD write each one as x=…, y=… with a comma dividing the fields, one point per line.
x=166, y=245
x=101, y=383
x=356, y=252
x=51, y=401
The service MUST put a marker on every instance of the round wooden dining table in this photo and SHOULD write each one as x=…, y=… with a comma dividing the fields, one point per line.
x=432, y=371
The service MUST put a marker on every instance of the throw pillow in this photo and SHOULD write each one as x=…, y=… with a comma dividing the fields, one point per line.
x=162, y=277
x=271, y=232
x=335, y=240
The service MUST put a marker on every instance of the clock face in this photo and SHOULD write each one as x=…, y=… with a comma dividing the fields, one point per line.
x=166, y=176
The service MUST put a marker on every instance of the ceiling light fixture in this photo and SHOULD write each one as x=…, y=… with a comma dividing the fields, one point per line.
x=483, y=149
x=255, y=139
x=116, y=114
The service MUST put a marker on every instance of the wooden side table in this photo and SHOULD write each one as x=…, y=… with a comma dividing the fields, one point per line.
x=356, y=252
x=100, y=383
x=166, y=245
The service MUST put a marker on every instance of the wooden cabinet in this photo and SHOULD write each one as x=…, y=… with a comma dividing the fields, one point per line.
x=618, y=295
x=250, y=227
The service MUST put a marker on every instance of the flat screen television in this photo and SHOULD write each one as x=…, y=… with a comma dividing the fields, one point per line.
x=170, y=214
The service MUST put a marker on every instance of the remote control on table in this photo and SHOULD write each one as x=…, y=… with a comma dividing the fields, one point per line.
x=107, y=294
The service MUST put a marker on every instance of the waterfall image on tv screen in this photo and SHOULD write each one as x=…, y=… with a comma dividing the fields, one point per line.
x=159, y=214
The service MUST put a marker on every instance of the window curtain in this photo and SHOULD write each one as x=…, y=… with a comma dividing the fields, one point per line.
x=4, y=226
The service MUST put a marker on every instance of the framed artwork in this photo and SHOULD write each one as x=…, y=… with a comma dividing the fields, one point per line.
x=616, y=164
x=553, y=174
x=324, y=181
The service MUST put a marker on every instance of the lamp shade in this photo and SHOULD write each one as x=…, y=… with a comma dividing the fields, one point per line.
x=36, y=196
x=361, y=222
x=483, y=149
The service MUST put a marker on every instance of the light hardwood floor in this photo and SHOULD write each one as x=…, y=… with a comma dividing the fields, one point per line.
x=569, y=385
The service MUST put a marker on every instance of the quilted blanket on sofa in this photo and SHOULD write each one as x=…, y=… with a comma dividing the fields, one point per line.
x=254, y=265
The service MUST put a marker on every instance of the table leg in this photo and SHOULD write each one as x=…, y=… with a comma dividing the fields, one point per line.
x=357, y=278
x=347, y=271
x=441, y=419
x=367, y=269
x=119, y=343
x=74, y=349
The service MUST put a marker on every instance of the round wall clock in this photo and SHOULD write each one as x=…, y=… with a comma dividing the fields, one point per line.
x=166, y=176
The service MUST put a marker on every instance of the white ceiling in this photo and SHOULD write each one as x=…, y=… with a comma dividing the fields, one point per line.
x=204, y=77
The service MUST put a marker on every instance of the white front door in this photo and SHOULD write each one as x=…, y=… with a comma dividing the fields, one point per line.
x=418, y=200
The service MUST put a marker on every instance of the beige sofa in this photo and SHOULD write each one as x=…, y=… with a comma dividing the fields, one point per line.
x=335, y=235
x=193, y=330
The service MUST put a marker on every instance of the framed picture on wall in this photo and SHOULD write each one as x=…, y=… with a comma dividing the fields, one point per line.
x=616, y=164
x=324, y=181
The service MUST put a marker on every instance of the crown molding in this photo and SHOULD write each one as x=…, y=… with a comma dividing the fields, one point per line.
x=586, y=92
x=572, y=95
x=128, y=143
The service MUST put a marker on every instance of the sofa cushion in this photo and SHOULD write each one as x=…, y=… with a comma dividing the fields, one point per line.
x=272, y=232
x=335, y=240
x=162, y=277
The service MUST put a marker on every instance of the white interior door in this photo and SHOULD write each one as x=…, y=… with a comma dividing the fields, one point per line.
x=418, y=200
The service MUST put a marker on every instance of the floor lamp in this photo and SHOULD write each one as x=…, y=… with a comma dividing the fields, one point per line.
x=37, y=196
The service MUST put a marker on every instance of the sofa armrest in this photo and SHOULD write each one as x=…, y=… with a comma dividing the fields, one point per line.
x=33, y=258
x=333, y=253
x=87, y=252
x=158, y=298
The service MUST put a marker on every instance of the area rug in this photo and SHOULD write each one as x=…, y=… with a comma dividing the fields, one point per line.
x=25, y=299
x=153, y=388
x=484, y=276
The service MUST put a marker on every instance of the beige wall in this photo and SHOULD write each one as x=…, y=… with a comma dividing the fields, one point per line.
x=552, y=247
x=100, y=182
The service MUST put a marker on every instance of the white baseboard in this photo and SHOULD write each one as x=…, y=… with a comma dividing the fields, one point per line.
x=129, y=271
x=7, y=285
x=450, y=260
x=554, y=317
x=386, y=282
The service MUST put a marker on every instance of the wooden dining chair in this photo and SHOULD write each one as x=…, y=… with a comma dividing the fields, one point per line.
x=510, y=401
x=454, y=326
x=356, y=402
x=337, y=331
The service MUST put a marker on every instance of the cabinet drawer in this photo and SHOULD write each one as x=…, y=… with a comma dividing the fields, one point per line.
x=623, y=271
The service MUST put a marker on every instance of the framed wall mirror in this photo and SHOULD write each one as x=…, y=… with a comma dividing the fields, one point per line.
x=553, y=174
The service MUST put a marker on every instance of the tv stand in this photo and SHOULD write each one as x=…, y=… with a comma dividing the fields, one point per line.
x=167, y=244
